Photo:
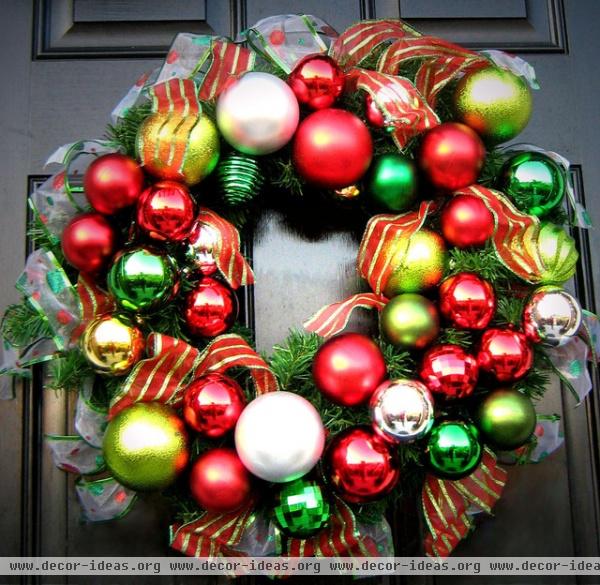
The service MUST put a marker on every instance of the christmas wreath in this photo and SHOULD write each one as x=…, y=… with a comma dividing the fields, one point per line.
x=130, y=295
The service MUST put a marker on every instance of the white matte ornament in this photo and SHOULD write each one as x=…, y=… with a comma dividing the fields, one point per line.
x=258, y=114
x=279, y=436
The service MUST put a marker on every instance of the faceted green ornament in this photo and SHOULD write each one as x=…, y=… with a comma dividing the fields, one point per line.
x=300, y=509
x=453, y=449
x=239, y=178
x=142, y=280
x=534, y=182
x=392, y=182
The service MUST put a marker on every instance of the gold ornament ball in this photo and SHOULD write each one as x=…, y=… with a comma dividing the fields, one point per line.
x=145, y=446
x=112, y=344
x=409, y=321
x=558, y=252
x=418, y=263
x=495, y=102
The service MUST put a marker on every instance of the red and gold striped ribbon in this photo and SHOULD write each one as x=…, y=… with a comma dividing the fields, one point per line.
x=92, y=301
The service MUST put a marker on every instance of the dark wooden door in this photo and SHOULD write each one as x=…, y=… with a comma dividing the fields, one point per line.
x=66, y=63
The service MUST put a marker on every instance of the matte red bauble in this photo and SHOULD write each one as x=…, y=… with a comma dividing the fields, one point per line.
x=348, y=368
x=466, y=221
x=210, y=309
x=317, y=81
x=219, y=482
x=212, y=404
x=373, y=114
x=450, y=371
x=332, y=148
x=451, y=156
x=467, y=301
x=505, y=353
x=113, y=182
x=88, y=242
x=360, y=466
x=166, y=211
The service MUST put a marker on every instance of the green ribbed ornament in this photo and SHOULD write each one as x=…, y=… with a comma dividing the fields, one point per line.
x=240, y=178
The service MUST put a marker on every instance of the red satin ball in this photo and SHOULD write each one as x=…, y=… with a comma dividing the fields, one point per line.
x=348, y=368
x=505, y=353
x=317, y=81
x=166, y=211
x=113, y=182
x=373, y=114
x=450, y=371
x=466, y=221
x=212, y=404
x=467, y=301
x=360, y=466
x=88, y=242
x=332, y=148
x=451, y=156
x=219, y=482
x=210, y=309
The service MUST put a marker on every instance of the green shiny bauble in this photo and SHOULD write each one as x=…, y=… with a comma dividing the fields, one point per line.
x=453, y=449
x=392, y=182
x=409, y=321
x=300, y=509
x=495, y=102
x=239, y=178
x=506, y=418
x=142, y=280
x=534, y=182
x=558, y=252
x=145, y=446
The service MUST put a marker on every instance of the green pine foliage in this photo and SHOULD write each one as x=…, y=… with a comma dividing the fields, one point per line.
x=22, y=325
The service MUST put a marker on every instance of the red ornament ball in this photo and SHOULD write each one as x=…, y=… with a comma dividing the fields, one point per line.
x=466, y=221
x=166, y=211
x=373, y=114
x=505, y=353
x=210, y=309
x=451, y=156
x=113, y=182
x=448, y=370
x=212, y=404
x=332, y=148
x=219, y=482
x=88, y=242
x=361, y=466
x=467, y=301
x=317, y=81
x=348, y=368
x=199, y=246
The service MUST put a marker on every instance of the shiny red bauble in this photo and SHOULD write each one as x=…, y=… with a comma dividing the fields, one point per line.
x=317, y=81
x=348, y=368
x=88, y=242
x=466, y=221
x=467, y=301
x=451, y=156
x=199, y=247
x=212, y=404
x=448, y=370
x=219, y=482
x=373, y=114
x=210, y=309
x=505, y=353
x=166, y=211
x=360, y=466
x=332, y=148
x=113, y=182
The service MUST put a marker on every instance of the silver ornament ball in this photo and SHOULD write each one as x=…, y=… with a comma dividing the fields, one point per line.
x=258, y=114
x=402, y=410
x=279, y=436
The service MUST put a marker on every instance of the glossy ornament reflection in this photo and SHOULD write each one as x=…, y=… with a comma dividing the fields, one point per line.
x=453, y=449
x=467, y=301
x=210, y=308
x=199, y=248
x=506, y=354
x=449, y=371
x=317, y=81
x=466, y=221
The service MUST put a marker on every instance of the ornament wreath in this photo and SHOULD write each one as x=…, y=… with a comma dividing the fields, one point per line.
x=130, y=296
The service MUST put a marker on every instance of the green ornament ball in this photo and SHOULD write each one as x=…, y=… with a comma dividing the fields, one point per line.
x=392, y=182
x=301, y=509
x=142, y=280
x=558, y=253
x=534, y=182
x=506, y=418
x=239, y=178
x=453, y=449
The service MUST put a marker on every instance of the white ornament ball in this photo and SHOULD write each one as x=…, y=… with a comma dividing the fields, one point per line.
x=258, y=114
x=279, y=436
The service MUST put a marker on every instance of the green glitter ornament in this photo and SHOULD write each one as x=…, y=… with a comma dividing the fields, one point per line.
x=239, y=178
x=392, y=182
x=300, y=509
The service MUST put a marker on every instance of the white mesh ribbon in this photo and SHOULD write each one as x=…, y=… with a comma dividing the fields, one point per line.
x=548, y=437
x=513, y=64
x=570, y=361
x=104, y=499
x=90, y=421
x=73, y=454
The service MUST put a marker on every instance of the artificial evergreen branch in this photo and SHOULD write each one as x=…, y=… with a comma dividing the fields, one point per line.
x=22, y=325
x=484, y=262
x=455, y=337
x=69, y=371
x=124, y=132
x=509, y=311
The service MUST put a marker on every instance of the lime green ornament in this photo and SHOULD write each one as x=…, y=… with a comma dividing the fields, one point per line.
x=240, y=178
x=392, y=182
x=534, y=182
x=558, y=253
x=142, y=280
x=300, y=509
